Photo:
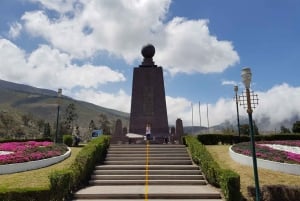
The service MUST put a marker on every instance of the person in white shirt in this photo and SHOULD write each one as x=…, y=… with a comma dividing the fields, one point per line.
x=148, y=131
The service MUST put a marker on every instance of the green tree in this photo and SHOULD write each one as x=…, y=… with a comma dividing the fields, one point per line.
x=284, y=130
x=92, y=125
x=104, y=123
x=245, y=129
x=70, y=117
x=41, y=124
x=7, y=121
x=47, y=130
x=26, y=118
x=296, y=127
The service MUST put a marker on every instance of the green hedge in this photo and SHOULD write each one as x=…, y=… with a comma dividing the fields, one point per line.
x=78, y=174
x=64, y=182
x=276, y=192
x=68, y=140
x=227, y=180
x=214, y=139
x=25, y=194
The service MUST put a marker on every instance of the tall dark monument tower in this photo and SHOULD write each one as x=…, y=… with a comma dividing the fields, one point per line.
x=148, y=102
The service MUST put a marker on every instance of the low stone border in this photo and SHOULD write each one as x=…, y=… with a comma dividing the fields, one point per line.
x=32, y=165
x=271, y=165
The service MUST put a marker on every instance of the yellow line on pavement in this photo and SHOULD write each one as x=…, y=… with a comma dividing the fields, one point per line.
x=147, y=171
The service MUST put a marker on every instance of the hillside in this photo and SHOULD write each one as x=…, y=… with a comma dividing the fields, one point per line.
x=19, y=99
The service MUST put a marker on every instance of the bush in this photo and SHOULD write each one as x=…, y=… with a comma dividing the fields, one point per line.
x=276, y=192
x=68, y=140
x=25, y=194
x=60, y=182
x=214, y=139
x=63, y=182
x=80, y=170
x=227, y=180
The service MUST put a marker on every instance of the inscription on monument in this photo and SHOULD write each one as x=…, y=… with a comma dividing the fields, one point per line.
x=148, y=100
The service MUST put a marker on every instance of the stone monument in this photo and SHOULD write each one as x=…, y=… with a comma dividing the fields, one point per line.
x=148, y=102
x=179, y=130
x=118, y=136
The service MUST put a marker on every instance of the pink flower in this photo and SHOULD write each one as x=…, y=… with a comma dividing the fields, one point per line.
x=28, y=151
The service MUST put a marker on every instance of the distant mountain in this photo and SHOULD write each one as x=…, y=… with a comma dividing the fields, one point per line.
x=20, y=99
x=25, y=88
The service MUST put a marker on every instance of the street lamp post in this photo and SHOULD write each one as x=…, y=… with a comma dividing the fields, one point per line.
x=246, y=77
x=59, y=94
x=237, y=110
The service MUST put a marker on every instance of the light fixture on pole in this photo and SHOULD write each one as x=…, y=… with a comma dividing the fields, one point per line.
x=246, y=77
x=236, y=88
x=57, y=138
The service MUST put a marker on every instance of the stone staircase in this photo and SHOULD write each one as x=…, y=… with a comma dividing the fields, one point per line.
x=148, y=172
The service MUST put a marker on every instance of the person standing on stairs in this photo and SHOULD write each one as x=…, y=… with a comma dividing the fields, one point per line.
x=148, y=131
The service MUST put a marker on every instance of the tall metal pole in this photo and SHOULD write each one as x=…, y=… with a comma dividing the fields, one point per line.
x=200, y=114
x=246, y=75
x=237, y=110
x=207, y=117
x=192, y=120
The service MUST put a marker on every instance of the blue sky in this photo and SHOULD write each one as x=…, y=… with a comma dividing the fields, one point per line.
x=89, y=49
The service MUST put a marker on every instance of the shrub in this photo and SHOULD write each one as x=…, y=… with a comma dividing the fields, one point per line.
x=78, y=174
x=60, y=182
x=68, y=140
x=25, y=194
x=63, y=182
x=228, y=180
x=276, y=192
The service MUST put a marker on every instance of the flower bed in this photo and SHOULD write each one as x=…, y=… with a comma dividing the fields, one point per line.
x=20, y=152
x=278, y=151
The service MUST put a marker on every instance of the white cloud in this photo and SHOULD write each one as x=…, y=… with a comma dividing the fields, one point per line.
x=122, y=27
x=49, y=68
x=61, y=6
x=229, y=82
x=15, y=29
x=13, y=65
x=119, y=101
x=190, y=48
x=278, y=105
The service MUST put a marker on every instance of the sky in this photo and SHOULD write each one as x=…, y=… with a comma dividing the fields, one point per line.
x=89, y=49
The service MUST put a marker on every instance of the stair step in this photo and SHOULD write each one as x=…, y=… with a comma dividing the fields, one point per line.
x=158, y=199
x=153, y=191
x=151, y=162
x=143, y=172
x=130, y=158
x=143, y=167
x=150, y=182
x=150, y=177
x=144, y=151
x=144, y=147
x=173, y=154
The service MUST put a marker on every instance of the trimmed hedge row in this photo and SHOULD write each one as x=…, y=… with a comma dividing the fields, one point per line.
x=227, y=180
x=64, y=182
x=214, y=139
x=276, y=192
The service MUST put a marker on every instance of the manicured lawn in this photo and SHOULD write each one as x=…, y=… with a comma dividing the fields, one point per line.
x=35, y=178
x=266, y=177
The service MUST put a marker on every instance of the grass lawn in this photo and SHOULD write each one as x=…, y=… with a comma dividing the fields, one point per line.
x=266, y=177
x=35, y=178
